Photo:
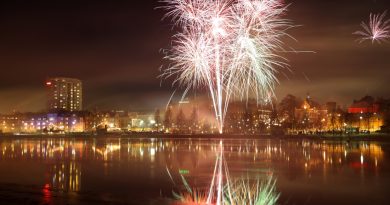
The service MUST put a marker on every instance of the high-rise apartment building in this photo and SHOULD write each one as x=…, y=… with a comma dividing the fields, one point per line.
x=64, y=94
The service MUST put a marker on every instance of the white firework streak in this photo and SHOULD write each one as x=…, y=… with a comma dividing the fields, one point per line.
x=227, y=46
x=377, y=29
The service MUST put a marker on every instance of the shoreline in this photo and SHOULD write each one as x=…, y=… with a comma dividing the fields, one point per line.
x=369, y=137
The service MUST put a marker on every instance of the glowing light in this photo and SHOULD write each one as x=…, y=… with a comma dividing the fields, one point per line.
x=324, y=155
x=141, y=152
x=376, y=30
x=152, y=151
x=226, y=47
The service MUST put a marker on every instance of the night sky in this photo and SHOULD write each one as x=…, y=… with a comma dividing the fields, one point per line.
x=114, y=47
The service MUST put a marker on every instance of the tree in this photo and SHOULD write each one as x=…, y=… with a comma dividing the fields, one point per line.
x=194, y=119
x=274, y=115
x=157, y=119
x=181, y=121
x=168, y=118
x=385, y=112
x=287, y=110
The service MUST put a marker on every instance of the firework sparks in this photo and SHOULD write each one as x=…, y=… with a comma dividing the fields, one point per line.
x=225, y=191
x=376, y=30
x=228, y=47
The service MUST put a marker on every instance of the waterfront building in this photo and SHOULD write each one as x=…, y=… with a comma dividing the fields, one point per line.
x=365, y=115
x=59, y=122
x=11, y=123
x=250, y=118
x=311, y=116
x=119, y=121
x=64, y=94
x=111, y=121
x=143, y=122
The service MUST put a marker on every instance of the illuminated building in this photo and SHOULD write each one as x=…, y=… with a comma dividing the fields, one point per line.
x=365, y=115
x=119, y=121
x=250, y=118
x=11, y=123
x=64, y=94
x=142, y=122
x=363, y=107
x=311, y=116
x=66, y=122
x=111, y=121
x=62, y=122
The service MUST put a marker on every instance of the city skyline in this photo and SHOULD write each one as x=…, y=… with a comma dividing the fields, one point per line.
x=49, y=104
x=100, y=44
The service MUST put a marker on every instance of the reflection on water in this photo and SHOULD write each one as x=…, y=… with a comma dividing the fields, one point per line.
x=65, y=176
x=89, y=164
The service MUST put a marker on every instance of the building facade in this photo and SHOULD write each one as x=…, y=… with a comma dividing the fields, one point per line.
x=311, y=117
x=366, y=115
x=62, y=122
x=64, y=94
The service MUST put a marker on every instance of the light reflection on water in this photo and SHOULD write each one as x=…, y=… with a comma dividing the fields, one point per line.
x=134, y=170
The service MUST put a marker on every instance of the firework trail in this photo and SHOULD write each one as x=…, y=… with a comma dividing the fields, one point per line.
x=377, y=29
x=228, y=47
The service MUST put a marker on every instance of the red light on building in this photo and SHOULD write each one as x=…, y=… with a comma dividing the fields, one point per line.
x=48, y=83
x=364, y=109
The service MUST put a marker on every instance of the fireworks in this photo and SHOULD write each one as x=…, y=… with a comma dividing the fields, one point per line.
x=228, y=47
x=258, y=192
x=378, y=29
x=224, y=191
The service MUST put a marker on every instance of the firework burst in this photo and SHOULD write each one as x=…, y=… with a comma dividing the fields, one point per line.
x=376, y=30
x=228, y=47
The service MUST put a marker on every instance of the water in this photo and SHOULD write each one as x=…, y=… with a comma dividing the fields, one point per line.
x=134, y=171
